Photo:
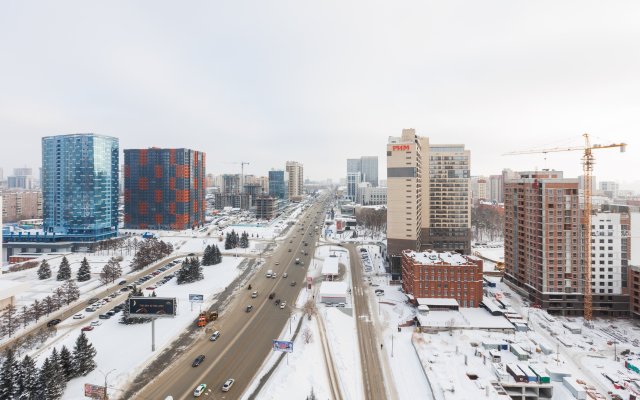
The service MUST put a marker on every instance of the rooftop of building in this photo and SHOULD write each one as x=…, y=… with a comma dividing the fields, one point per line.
x=431, y=257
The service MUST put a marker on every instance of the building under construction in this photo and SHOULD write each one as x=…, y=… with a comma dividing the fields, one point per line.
x=231, y=183
x=233, y=200
x=266, y=207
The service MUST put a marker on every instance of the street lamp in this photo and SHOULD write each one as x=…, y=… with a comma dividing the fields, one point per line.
x=106, y=397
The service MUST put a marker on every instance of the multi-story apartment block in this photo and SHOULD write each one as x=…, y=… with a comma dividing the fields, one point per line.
x=164, y=189
x=543, y=240
x=426, y=211
x=363, y=169
x=279, y=184
x=581, y=182
x=447, y=275
x=21, y=205
x=610, y=188
x=495, y=189
x=24, y=182
x=80, y=186
x=296, y=178
x=371, y=196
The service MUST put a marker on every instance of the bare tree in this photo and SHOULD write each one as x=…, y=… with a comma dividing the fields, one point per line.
x=450, y=325
x=309, y=308
x=37, y=310
x=71, y=291
x=26, y=316
x=307, y=336
x=10, y=321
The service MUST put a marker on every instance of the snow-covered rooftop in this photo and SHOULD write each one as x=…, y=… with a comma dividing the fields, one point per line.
x=330, y=266
x=433, y=257
x=327, y=288
x=437, y=302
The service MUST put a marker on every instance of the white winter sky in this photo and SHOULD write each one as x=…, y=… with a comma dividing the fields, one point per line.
x=320, y=82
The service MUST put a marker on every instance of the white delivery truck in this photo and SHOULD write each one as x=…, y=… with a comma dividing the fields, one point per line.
x=269, y=272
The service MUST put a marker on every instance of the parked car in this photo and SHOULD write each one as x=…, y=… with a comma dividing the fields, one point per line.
x=78, y=316
x=96, y=323
x=93, y=300
x=227, y=385
x=111, y=313
x=53, y=322
x=87, y=328
x=104, y=316
x=215, y=336
x=151, y=288
x=122, y=282
x=198, y=360
x=191, y=254
x=341, y=305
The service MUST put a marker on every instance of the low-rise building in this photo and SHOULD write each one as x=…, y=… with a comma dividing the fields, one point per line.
x=445, y=275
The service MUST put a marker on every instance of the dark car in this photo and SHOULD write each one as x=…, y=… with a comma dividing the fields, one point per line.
x=191, y=254
x=111, y=312
x=272, y=295
x=293, y=283
x=122, y=282
x=249, y=308
x=104, y=316
x=289, y=250
x=93, y=300
x=277, y=301
x=306, y=244
x=54, y=322
x=198, y=360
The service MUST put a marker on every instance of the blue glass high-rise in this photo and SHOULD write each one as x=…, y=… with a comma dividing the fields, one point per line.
x=80, y=186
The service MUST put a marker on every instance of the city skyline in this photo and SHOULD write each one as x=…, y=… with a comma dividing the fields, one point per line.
x=151, y=78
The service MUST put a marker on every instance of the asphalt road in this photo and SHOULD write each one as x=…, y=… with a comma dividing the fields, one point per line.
x=372, y=376
x=246, y=338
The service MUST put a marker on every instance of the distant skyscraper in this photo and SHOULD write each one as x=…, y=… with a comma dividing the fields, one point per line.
x=164, y=189
x=296, y=178
x=369, y=168
x=610, y=188
x=22, y=171
x=279, y=184
x=80, y=186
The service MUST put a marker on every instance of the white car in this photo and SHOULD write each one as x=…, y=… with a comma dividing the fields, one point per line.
x=78, y=316
x=199, y=390
x=227, y=385
x=283, y=304
x=96, y=323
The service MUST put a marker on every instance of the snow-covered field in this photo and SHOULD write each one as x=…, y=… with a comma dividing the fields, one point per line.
x=343, y=341
x=127, y=348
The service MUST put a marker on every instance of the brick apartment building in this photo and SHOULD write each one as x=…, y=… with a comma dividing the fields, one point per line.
x=164, y=189
x=543, y=240
x=446, y=275
x=20, y=205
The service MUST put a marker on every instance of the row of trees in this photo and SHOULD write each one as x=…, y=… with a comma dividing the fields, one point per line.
x=64, y=272
x=234, y=240
x=486, y=224
x=120, y=245
x=150, y=251
x=191, y=271
x=13, y=318
x=211, y=256
x=23, y=380
x=372, y=222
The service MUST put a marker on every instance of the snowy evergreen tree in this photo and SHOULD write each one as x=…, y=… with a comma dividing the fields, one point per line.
x=66, y=363
x=64, y=272
x=183, y=272
x=50, y=382
x=10, y=321
x=44, y=272
x=9, y=377
x=207, y=257
x=244, y=241
x=28, y=379
x=217, y=255
x=84, y=273
x=227, y=242
x=196, y=270
x=83, y=356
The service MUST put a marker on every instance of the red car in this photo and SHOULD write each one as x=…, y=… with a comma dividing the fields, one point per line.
x=87, y=328
x=156, y=273
x=151, y=288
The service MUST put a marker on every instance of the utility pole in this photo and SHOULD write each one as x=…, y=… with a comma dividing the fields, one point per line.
x=106, y=397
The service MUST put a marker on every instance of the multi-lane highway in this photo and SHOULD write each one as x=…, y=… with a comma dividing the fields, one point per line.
x=246, y=337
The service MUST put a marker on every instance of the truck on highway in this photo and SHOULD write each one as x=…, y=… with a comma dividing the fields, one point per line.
x=297, y=261
x=269, y=272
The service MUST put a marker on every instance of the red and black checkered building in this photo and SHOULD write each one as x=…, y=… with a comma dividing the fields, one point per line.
x=164, y=189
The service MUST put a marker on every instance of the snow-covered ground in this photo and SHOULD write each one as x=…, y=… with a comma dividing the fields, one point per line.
x=113, y=341
x=343, y=342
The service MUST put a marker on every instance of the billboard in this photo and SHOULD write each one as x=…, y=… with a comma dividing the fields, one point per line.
x=283, y=346
x=196, y=298
x=148, y=307
x=339, y=226
x=94, y=391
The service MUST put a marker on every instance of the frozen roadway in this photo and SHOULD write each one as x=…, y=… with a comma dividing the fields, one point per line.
x=246, y=338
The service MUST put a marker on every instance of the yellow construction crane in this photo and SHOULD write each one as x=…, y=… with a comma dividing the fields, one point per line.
x=588, y=161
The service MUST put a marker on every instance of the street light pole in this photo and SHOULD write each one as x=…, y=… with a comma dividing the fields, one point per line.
x=106, y=397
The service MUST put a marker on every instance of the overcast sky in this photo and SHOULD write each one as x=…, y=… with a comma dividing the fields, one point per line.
x=322, y=81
